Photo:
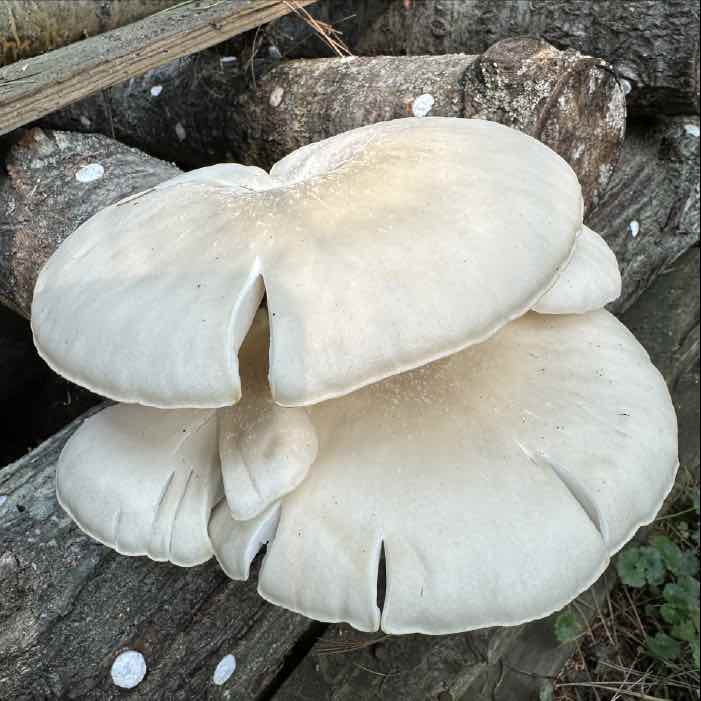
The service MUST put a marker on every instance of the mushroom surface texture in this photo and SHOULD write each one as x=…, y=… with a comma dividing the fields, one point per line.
x=144, y=481
x=500, y=480
x=368, y=245
x=590, y=281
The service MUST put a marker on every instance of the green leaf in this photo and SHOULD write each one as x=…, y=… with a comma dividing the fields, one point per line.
x=685, y=631
x=696, y=651
x=671, y=614
x=689, y=564
x=664, y=647
x=630, y=568
x=638, y=566
x=654, y=564
x=671, y=553
x=684, y=593
x=567, y=627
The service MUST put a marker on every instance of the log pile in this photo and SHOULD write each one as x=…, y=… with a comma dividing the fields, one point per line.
x=653, y=45
x=69, y=605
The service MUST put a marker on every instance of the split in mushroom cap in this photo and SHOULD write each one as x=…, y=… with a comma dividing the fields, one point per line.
x=500, y=480
x=590, y=281
x=144, y=481
x=265, y=449
x=381, y=249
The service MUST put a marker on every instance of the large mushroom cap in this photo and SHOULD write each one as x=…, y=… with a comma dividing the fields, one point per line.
x=380, y=250
x=499, y=480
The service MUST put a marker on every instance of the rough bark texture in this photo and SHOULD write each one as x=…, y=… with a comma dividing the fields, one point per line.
x=202, y=112
x=506, y=664
x=68, y=606
x=573, y=104
x=650, y=212
x=32, y=27
x=42, y=201
x=654, y=45
x=665, y=319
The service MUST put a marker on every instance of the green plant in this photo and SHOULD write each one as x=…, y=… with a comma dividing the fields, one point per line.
x=668, y=572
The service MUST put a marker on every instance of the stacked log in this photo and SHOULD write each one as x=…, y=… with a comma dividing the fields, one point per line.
x=200, y=110
x=653, y=45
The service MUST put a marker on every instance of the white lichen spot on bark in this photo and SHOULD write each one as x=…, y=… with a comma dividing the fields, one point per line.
x=224, y=670
x=156, y=90
x=634, y=228
x=89, y=173
x=422, y=105
x=3, y=499
x=692, y=130
x=128, y=669
x=276, y=96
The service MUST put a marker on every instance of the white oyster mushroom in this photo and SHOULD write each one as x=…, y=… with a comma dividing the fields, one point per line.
x=144, y=481
x=235, y=542
x=499, y=480
x=265, y=449
x=380, y=249
x=590, y=281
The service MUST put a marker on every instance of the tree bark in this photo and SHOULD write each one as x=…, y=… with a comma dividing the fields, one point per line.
x=32, y=27
x=665, y=319
x=43, y=200
x=654, y=45
x=68, y=606
x=202, y=113
x=649, y=214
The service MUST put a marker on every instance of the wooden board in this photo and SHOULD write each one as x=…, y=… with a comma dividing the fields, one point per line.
x=33, y=88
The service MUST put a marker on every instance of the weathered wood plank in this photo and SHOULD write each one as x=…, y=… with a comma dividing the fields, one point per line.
x=68, y=606
x=32, y=27
x=32, y=88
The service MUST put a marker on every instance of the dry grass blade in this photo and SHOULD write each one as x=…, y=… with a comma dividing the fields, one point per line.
x=335, y=647
x=605, y=687
x=330, y=36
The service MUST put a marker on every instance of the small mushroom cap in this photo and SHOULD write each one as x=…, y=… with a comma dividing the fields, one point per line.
x=500, y=480
x=590, y=281
x=236, y=542
x=380, y=250
x=265, y=449
x=144, y=481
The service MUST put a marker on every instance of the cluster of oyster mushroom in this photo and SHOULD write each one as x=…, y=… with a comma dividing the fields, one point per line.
x=432, y=377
